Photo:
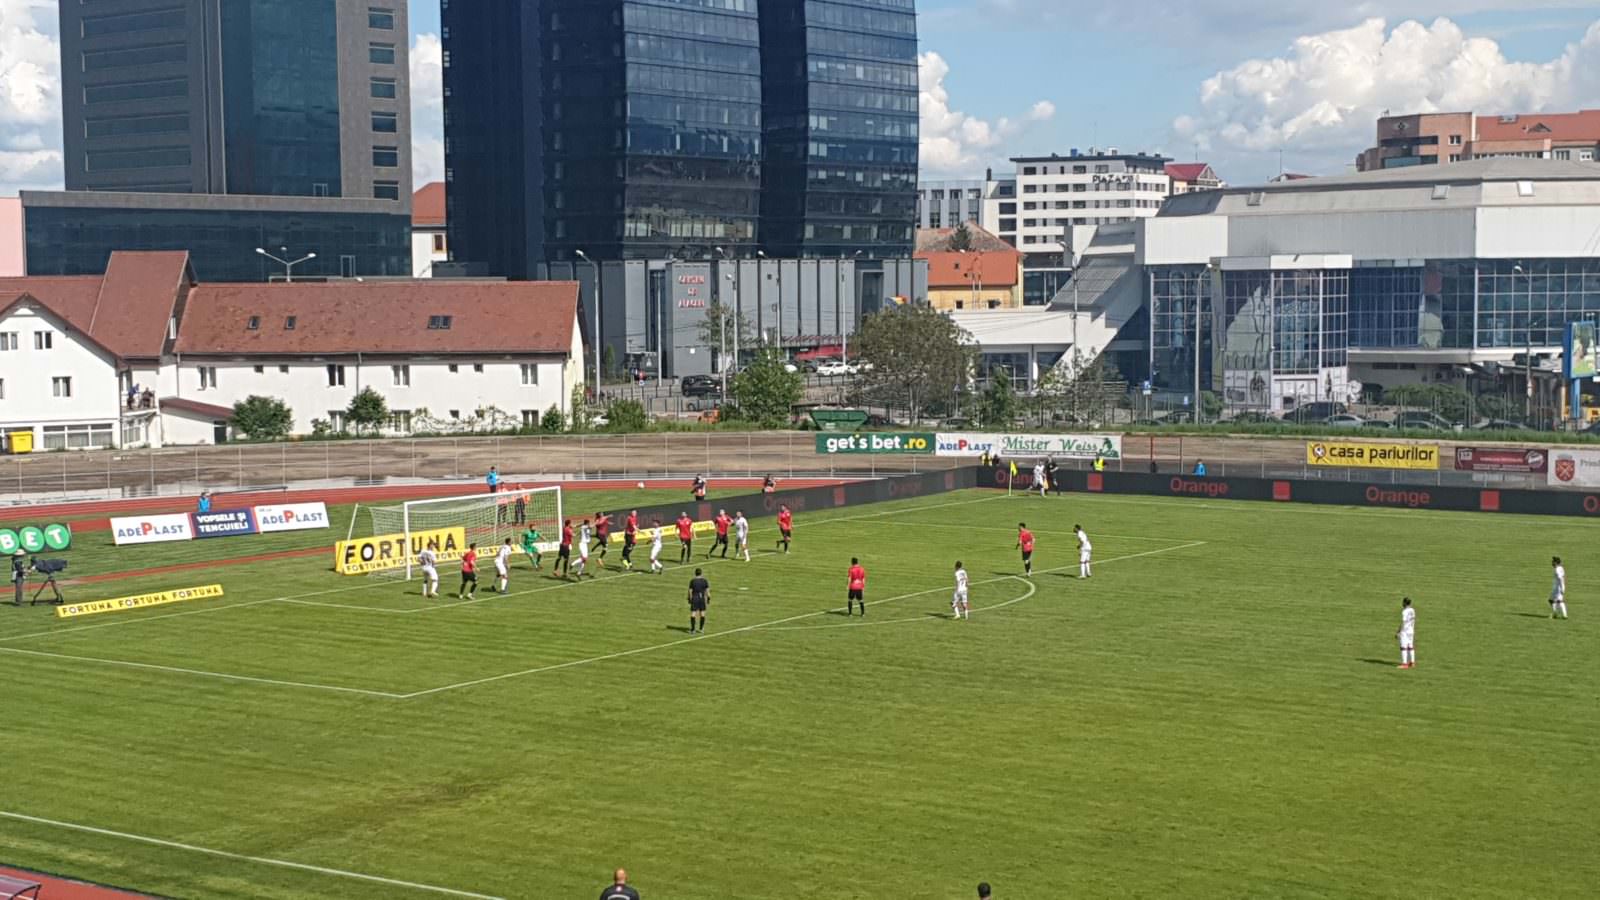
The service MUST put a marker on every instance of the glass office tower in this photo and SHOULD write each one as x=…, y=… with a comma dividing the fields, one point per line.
x=840, y=87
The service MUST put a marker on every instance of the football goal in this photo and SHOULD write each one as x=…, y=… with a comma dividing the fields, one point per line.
x=448, y=524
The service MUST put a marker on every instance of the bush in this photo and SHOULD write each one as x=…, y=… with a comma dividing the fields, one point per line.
x=262, y=418
x=626, y=415
x=1446, y=400
x=552, y=422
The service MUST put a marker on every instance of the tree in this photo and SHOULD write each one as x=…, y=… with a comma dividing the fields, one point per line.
x=367, y=409
x=553, y=421
x=1077, y=385
x=579, y=420
x=999, y=407
x=626, y=415
x=1446, y=400
x=765, y=393
x=918, y=356
x=961, y=238
x=719, y=327
x=608, y=362
x=262, y=418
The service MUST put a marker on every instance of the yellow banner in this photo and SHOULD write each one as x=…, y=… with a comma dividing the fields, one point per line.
x=389, y=551
x=1372, y=455
x=138, y=601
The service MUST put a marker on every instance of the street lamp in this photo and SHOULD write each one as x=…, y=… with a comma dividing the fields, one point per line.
x=779, y=305
x=1527, y=357
x=597, y=382
x=288, y=266
x=737, y=283
x=1199, y=305
x=722, y=338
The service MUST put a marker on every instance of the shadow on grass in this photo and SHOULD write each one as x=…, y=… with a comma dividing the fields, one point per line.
x=1379, y=662
x=1530, y=615
x=681, y=629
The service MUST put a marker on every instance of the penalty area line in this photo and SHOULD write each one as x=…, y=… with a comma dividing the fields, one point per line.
x=242, y=857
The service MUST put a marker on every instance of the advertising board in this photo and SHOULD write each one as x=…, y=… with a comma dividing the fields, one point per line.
x=223, y=523
x=1574, y=468
x=152, y=529
x=1058, y=446
x=890, y=442
x=35, y=539
x=1523, y=460
x=291, y=517
x=1372, y=455
x=390, y=551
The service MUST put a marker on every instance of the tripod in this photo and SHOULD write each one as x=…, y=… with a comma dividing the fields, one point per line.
x=49, y=582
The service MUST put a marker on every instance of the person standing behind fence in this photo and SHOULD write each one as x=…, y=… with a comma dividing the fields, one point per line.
x=522, y=509
x=203, y=506
x=492, y=479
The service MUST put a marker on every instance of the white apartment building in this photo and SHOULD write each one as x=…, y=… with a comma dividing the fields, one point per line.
x=145, y=357
x=946, y=204
x=1048, y=194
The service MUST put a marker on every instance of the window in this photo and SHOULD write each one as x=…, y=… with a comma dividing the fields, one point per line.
x=8, y=340
x=1255, y=198
x=289, y=323
x=2, y=388
x=77, y=437
x=1441, y=192
x=43, y=340
x=347, y=266
x=386, y=158
x=382, y=54
x=438, y=243
x=1455, y=157
x=385, y=122
x=261, y=370
x=1524, y=189
x=438, y=323
x=335, y=375
x=380, y=18
x=385, y=89
x=208, y=377
x=454, y=368
x=530, y=374
x=283, y=370
x=455, y=414
x=530, y=418
x=61, y=386
x=336, y=419
x=401, y=375
x=1455, y=140
x=477, y=368
x=400, y=420
x=385, y=190
x=253, y=323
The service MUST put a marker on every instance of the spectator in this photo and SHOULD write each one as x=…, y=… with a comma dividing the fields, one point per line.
x=133, y=395
x=1154, y=468
x=620, y=890
x=148, y=400
x=1200, y=468
x=769, y=484
x=492, y=479
x=204, y=506
x=983, y=890
x=1099, y=463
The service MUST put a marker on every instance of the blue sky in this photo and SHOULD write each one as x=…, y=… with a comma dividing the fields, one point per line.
x=1239, y=79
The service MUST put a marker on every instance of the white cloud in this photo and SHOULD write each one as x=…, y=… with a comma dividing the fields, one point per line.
x=30, y=96
x=955, y=142
x=1319, y=101
x=427, y=109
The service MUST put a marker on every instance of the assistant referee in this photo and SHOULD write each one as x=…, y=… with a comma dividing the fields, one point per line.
x=620, y=890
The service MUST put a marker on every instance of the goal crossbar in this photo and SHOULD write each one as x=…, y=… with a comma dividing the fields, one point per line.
x=485, y=519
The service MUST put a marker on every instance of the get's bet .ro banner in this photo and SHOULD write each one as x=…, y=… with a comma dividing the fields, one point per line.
x=1372, y=455
x=389, y=551
x=876, y=442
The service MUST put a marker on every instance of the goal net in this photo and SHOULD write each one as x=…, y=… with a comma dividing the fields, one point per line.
x=449, y=524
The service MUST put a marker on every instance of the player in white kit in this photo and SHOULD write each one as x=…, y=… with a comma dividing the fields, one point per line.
x=583, y=548
x=1558, y=590
x=429, y=561
x=655, y=548
x=1085, y=552
x=1407, y=634
x=959, y=609
x=741, y=534
x=1039, y=479
x=502, y=563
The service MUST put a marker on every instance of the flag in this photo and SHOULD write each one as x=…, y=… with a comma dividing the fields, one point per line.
x=1013, y=468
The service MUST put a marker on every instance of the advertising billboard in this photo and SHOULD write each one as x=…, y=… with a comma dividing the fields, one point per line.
x=1581, y=352
x=1520, y=461
x=152, y=529
x=291, y=517
x=1372, y=455
x=1574, y=468
x=893, y=442
x=1059, y=446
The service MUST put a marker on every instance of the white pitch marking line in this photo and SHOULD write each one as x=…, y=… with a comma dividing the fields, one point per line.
x=747, y=628
x=1032, y=589
x=223, y=675
x=261, y=860
x=1098, y=534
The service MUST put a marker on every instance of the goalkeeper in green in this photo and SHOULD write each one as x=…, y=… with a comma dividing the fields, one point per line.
x=530, y=545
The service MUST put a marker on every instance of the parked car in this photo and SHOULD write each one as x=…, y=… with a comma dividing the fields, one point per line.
x=790, y=367
x=1499, y=425
x=834, y=367
x=1181, y=417
x=1345, y=421
x=1251, y=417
x=701, y=386
x=1317, y=411
x=1424, y=421
x=957, y=424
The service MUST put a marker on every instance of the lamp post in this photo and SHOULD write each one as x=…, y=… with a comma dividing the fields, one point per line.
x=288, y=265
x=722, y=337
x=1198, y=306
x=839, y=307
x=596, y=266
x=1527, y=356
x=737, y=279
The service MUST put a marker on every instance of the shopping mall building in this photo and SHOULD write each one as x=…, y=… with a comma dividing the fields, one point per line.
x=1446, y=273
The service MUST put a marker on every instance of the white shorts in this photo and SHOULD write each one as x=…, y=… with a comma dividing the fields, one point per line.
x=1558, y=597
x=430, y=573
x=1406, y=638
x=1083, y=556
x=655, y=551
x=500, y=568
x=960, y=596
x=583, y=552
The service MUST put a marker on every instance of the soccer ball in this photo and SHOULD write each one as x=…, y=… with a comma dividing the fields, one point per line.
x=641, y=485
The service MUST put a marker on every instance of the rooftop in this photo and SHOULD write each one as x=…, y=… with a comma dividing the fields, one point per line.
x=937, y=240
x=1094, y=154
x=427, y=206
x=126, y=310
x=1577, y=126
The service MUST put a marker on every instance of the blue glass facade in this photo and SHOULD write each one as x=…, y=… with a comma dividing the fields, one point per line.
x=281, y=98
x=841, y=102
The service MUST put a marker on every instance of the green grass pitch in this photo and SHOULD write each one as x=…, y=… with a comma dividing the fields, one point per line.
x=1217, y=713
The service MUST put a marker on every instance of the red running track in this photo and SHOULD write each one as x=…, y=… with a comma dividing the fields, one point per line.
x=67, y=889
x=74, y=510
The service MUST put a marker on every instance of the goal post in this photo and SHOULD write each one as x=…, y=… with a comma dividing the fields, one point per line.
x=484, y=519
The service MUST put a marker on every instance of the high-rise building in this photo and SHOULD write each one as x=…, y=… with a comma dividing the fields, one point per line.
x=947, y=204
x=840, y=90
x=263, y=97
x=645, y=129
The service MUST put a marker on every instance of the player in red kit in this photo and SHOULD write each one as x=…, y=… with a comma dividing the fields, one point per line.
x=564, y=554
x=722, y=522
x=685, y=537
x=785, y=527
x=469, y=573
x=1025, y=541
x=602, y=537
x=630, y=534
x=858, y=588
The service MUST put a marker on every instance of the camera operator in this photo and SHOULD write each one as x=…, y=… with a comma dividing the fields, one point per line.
x=19, y=574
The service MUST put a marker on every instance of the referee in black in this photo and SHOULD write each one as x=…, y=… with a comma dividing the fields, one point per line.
x=699, y=599
x=620, y=890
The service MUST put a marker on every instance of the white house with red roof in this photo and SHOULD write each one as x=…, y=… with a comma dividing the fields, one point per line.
x=1194, y=176
x=143, y=356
